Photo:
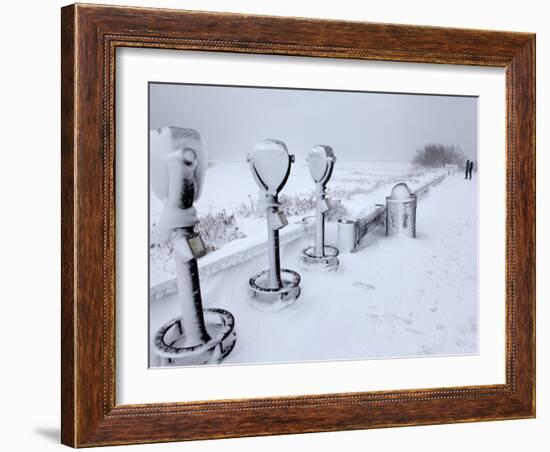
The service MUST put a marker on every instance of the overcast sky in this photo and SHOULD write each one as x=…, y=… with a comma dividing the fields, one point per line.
x=359, y=126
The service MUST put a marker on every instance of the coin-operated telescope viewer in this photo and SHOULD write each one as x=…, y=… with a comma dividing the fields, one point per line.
x=321, y=257
x=178, y=164
x=274, y=288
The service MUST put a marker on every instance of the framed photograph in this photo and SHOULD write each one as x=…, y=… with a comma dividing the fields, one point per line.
x=282, y=225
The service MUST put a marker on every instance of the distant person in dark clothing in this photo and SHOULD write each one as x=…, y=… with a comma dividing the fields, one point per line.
x=470, y=168
x=467, y=169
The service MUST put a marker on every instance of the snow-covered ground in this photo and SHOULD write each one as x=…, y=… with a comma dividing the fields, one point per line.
x=396, y=297
x=229, y=187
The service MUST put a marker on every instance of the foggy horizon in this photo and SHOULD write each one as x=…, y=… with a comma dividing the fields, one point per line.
x=360, y=126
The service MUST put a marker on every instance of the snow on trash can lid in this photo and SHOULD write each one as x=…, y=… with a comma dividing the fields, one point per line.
x=400, y=192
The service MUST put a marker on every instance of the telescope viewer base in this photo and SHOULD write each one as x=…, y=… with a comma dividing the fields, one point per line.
x=265, y=298
x=170, y=341
x=327, y=263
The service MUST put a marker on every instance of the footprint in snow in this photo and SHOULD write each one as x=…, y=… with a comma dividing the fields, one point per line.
x=407, y=321
x=364, y=285
x=412, y=330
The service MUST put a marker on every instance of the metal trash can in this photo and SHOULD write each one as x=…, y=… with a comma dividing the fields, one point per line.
x=451, y=169
x=401, y=211
x=347, y=235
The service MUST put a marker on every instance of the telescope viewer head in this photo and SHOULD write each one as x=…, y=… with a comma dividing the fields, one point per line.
x=321, y=161
x=177, y=153
x=270, y=164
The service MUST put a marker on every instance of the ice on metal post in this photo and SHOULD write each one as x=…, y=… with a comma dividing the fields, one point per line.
x=320, y=256
x=401, y=211
x=274, y=288
x=178, y=163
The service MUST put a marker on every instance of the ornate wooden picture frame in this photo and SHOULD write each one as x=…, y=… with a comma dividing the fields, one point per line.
x=90, y=37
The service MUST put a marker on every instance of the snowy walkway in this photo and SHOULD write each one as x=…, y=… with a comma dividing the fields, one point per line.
x=396, y=297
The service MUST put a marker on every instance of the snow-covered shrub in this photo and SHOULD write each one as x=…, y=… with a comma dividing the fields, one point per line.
x=251, y=209
x=293, y=206
x=362, y=186
x=302, y=204
x=216, y=229
x=297, y=205
x=160, y=256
